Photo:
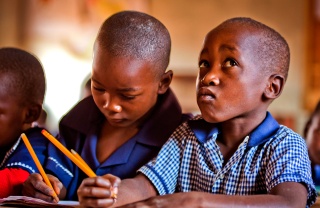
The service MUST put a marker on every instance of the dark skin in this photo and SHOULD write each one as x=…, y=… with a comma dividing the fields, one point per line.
x=125, y=90
x=35, y=181
x=228, y=70
x=313, y=139
x=16, y=116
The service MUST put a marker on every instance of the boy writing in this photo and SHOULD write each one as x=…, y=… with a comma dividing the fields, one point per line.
x=22, y=90
x=131, y=112
x=235, y=154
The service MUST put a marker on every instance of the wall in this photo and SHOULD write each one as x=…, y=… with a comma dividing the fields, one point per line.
x=187, y=20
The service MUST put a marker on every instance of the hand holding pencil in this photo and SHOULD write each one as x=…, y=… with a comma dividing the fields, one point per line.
x=35, y=187
x=51, y=191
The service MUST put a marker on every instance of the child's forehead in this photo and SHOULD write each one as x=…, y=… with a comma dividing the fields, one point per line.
x=233, y=38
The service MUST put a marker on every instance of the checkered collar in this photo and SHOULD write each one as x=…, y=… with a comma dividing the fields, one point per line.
x=204, y=130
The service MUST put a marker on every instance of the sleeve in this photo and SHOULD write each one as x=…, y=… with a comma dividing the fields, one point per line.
x=290, y=162
x=11, y=180
x=21, y=158
x=59, y=165
x=163, y=170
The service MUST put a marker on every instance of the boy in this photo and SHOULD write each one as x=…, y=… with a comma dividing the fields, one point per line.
x=22, y=89
x=131, y=112
x=235, y=154
x=312, y=136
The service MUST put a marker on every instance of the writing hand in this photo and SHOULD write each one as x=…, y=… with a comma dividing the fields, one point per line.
x=98, y=191
x=35, y=187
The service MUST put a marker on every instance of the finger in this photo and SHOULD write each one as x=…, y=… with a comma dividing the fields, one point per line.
x=94, y=192
x=45, y=197
x=34, y=177
x=92, y=202
x=114, y=180
x=96, y=181
x=43, y=188
x=56, y=184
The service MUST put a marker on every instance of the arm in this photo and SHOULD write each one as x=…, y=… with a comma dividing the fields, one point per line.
x=35, y=187
x=289, y=194
x=97, y=191
x=11, y=180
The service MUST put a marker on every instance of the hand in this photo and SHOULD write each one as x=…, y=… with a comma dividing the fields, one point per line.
x=98, y=191
x=35, y=187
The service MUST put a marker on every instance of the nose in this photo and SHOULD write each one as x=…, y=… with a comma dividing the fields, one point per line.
x=111, y=104
x=211, y=78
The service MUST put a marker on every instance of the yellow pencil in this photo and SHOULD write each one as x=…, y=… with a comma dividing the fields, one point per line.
x=79, y=158
x=36, y=161
x=84, y=167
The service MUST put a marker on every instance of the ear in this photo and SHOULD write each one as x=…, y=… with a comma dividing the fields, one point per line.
x=33, y=112
x=165, y=82
x=274, y=87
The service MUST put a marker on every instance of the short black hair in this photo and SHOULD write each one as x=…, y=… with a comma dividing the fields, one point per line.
x=273, y=50
x=23, y=74
x=137, y=35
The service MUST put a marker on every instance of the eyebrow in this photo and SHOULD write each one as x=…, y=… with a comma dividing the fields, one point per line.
x=224, y=47
x=228, y=48
x=128, y=89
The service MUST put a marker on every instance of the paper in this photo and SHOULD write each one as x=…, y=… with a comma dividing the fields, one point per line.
x=24, y=201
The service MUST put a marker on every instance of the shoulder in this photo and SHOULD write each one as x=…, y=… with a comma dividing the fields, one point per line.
x=185, y=130
x=286, y=137
x=79, y=110
x=81, y=116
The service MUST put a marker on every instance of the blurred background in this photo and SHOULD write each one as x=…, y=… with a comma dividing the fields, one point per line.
x=61, y=34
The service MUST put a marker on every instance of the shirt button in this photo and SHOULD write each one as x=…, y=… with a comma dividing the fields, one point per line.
x=221, y=176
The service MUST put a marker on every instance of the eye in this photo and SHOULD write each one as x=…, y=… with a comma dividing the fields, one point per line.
x=203, y=64
x=98, y=89
x=230, y=63
x=128, y=97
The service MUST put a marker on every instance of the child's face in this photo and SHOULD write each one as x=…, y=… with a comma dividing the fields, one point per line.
x=11, y=117
x=123, y=88
x=229, y=83
x=313, y=139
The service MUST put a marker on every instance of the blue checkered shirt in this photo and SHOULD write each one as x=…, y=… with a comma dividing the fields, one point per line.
x=191, y=161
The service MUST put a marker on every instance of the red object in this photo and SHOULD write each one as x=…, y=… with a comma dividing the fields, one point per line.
x=11, y=180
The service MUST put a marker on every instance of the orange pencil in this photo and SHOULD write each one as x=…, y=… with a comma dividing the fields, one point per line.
x=36, y=161
x=79, y=158
x=83, y=166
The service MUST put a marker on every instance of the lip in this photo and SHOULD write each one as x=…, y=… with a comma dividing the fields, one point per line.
x=206, y=94
x=116, y=120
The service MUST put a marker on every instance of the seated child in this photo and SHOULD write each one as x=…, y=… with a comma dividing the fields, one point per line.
x=234, y=154
x=132, y=111
x=22, y=90
x=312, y=136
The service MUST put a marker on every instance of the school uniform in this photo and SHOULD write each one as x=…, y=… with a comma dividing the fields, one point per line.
x=191, y=161
x=79, y=130
x=17, y=163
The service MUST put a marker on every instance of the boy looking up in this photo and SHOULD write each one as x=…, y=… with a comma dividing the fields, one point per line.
x=132, y=111
x=22, y=90
x=234, y=154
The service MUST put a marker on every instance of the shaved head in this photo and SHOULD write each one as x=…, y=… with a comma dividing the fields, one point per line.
x=22, y=75
x=272, y=53
x=136, y=35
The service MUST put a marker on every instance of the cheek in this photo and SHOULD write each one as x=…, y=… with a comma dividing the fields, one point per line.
x=98, y=99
